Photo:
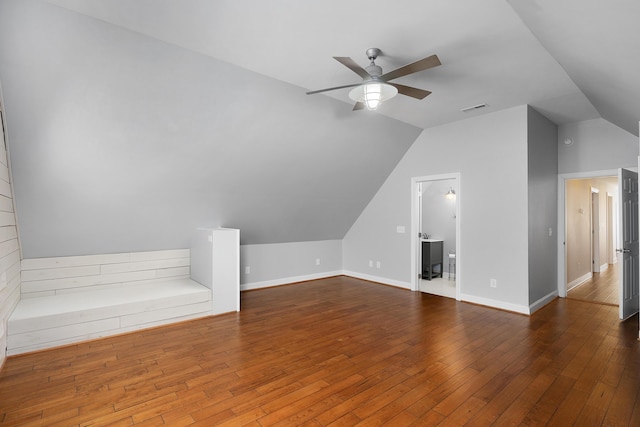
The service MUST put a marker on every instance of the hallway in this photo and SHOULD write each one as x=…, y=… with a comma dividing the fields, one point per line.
x=602, y=288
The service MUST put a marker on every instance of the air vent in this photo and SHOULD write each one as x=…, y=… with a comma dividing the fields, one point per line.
x=475, y=107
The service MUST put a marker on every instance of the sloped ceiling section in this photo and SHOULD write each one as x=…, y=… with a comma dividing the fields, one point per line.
x=597, y=43
x=120, y=142
x=488, y=55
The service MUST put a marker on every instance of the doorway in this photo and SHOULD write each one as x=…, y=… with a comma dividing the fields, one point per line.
x=588, y=228
x=435, y=222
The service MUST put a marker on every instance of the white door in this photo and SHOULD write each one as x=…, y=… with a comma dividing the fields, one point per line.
x=628, y=208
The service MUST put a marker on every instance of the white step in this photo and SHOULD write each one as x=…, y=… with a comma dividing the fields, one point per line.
x=55, y=320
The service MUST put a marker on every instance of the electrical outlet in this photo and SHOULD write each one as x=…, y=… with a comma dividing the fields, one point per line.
x=377, y=264
x=550, y=231
x=493, y=283
x=317, y=261
x=400, y=229
x=247, y=270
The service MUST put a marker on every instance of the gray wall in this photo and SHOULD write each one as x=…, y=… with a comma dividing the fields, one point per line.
x=490, y=153
x=543, y=205
x=279, y=263
x=123, y=143
x=597, y=145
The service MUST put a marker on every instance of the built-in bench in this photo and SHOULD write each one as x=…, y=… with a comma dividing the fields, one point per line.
x=71, y=299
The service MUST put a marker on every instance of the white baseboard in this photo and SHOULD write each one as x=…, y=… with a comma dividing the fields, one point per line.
x=603, y=267
x=580, y=280
x=383, y=280
x=523, y=309
x=288, y=280
x=543, y=301
x=405, y=285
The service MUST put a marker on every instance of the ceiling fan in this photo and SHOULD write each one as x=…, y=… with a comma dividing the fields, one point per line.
x=375, y=86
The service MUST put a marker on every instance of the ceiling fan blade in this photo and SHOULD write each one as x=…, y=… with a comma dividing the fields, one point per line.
x=423, y=64
x=358, y=106
x=413, y=92
x=352, y=65
x=332, y=88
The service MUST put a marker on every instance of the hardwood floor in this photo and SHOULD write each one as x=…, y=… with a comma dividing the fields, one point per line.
x=602, y=288
x=342, y=352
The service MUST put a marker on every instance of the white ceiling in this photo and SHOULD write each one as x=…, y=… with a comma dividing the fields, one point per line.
x=570, y=59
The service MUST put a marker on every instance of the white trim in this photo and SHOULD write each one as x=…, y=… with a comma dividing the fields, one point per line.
x=400, y=284
x=523, y=309
x=289, y=280
x=414, y=285
x=562, y=233
x=542, y=302
x=604, y=266
x=382, y=280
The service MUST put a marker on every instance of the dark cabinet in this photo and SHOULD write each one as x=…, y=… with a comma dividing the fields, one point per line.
x=432, y=261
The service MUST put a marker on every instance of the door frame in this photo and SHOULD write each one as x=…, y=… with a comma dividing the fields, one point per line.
x=415, y=228
x=562, y=233
x=595, y=230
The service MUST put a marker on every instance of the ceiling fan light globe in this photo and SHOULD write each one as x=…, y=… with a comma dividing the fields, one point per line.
x=373, y=93
x=372, y=104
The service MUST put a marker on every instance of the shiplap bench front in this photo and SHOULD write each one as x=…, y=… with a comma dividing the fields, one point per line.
x=71, y=299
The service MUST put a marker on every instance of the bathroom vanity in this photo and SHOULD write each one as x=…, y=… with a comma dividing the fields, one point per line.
x=432, y=258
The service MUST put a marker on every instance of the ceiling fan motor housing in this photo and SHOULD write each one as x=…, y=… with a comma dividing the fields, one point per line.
x=374, y=70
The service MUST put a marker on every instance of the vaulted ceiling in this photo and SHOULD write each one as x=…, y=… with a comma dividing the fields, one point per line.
x=133, y=122
x=570, y=59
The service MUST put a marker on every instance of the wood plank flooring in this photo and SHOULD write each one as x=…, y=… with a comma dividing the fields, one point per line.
x=602, y=288
x=342, y=352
